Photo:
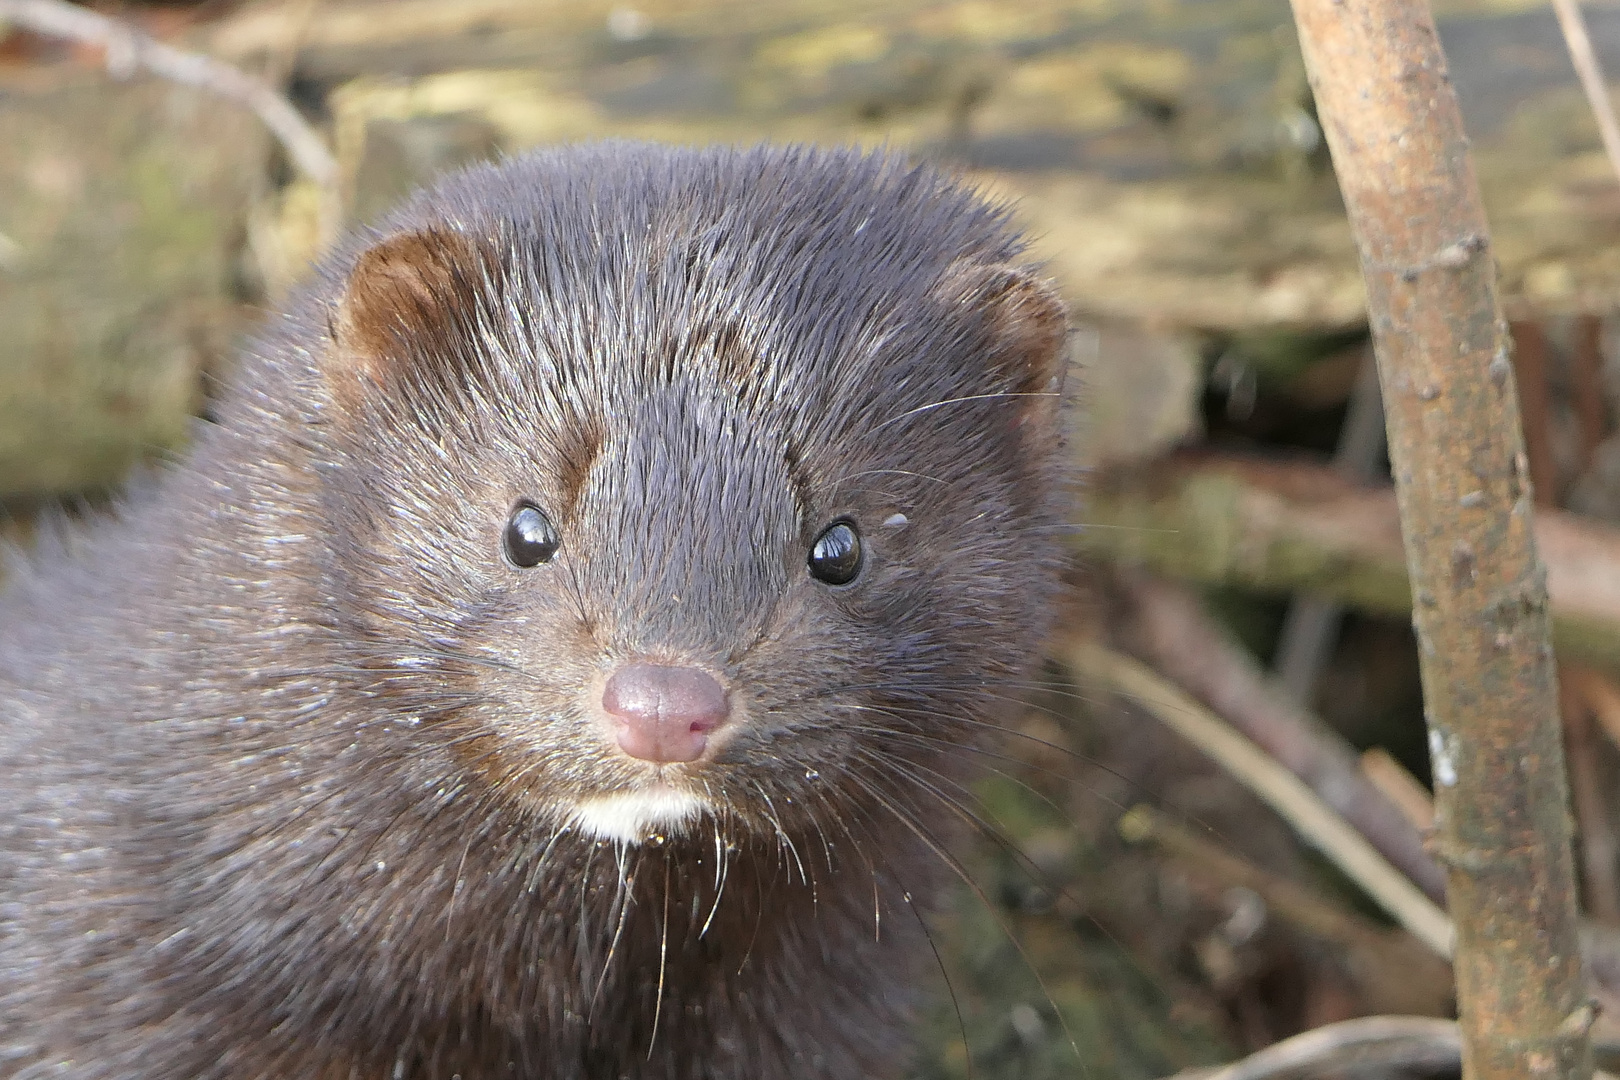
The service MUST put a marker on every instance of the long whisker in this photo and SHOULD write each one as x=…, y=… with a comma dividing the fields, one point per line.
x=623, y=900
x=663, y=955
x=782, y=836
x=722, y=874
x=759, y=914
x=932, y=842
x=960, y=400
x=950, y=988
x=922, y=923
x=940, y=743
x=997, y=834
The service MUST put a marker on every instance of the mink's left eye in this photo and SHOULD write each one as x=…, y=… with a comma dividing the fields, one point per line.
x=530, y=538
x=835, y=557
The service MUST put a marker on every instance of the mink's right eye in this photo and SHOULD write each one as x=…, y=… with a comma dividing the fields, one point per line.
x=836, y=555
x=530, y=538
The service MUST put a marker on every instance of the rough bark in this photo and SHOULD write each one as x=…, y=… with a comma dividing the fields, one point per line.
x=1463, y=485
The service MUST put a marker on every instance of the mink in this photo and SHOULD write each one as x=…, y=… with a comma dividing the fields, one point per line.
x=559, y=654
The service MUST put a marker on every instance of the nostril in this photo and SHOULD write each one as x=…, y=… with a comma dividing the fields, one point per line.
x=664, y=713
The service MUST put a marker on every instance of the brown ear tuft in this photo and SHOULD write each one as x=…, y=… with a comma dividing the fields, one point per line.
x=406, y=301
x=1028, y=327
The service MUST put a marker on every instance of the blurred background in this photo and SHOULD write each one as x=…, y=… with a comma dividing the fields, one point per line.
x=1237, y=529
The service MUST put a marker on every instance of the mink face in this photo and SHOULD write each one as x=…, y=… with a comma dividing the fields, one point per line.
x=692, y=506
x=689, y=434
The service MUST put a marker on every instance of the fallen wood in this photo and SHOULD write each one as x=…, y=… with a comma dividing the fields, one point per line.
x=1286, y=527
x=1168, y=629
x=1280, y=789
x=120, y=206
x=1397, y=972
x=1164, y=155
x=1382, y=1045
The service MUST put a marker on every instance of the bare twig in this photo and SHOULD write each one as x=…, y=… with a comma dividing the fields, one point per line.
x=1462, y=482
x=1278, y=787
x=1573, y=24
x=128, y=49
x=1312, y=623
x=1595, y=837
x=1168, y=628
x=1399, y=787
x=1375, y=1045
x=1391, y=1043
x=1530, y=356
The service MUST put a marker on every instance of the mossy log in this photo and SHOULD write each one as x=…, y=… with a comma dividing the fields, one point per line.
x=121, y=210
x=1295, y=527
x=1165, y=154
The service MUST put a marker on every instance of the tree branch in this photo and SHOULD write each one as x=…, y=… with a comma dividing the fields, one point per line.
x=1462, y=483
x=1396, y=971
x=1579, y=43
x=128, y=49
x=1386, y=1043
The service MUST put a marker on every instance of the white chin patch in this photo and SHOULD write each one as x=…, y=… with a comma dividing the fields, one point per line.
x=630, y=817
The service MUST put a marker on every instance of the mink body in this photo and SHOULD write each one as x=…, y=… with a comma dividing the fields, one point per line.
x=293, y=757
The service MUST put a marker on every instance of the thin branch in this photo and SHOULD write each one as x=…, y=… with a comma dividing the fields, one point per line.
x=1573, y=24
x=1592, y=832
x=128, y=49
x=1373, y=1045
x=1276, y=786
x=1290, y=526
x=1388, y=1043
x=1312, y=624
x=1399, y=787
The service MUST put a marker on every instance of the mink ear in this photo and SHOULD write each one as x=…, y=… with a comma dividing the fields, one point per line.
x=408, y=312
x=1027, y=329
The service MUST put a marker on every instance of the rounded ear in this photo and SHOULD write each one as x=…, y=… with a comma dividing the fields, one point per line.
x=408, y=314
x=1027, y=328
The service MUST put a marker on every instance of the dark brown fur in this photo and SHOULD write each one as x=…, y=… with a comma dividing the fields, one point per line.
x=288, y=751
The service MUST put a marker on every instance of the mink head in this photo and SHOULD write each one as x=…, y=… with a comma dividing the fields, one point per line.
x=673, y=486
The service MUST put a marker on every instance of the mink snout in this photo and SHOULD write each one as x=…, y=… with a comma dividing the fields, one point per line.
x=664, y=714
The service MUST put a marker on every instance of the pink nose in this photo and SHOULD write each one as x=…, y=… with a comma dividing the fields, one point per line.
x=664, y=714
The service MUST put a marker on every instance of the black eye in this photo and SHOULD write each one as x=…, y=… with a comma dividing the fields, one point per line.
x=530, y=538
x=836, y=555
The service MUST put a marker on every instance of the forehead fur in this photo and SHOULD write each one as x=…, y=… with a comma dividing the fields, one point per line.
x=778, y=273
